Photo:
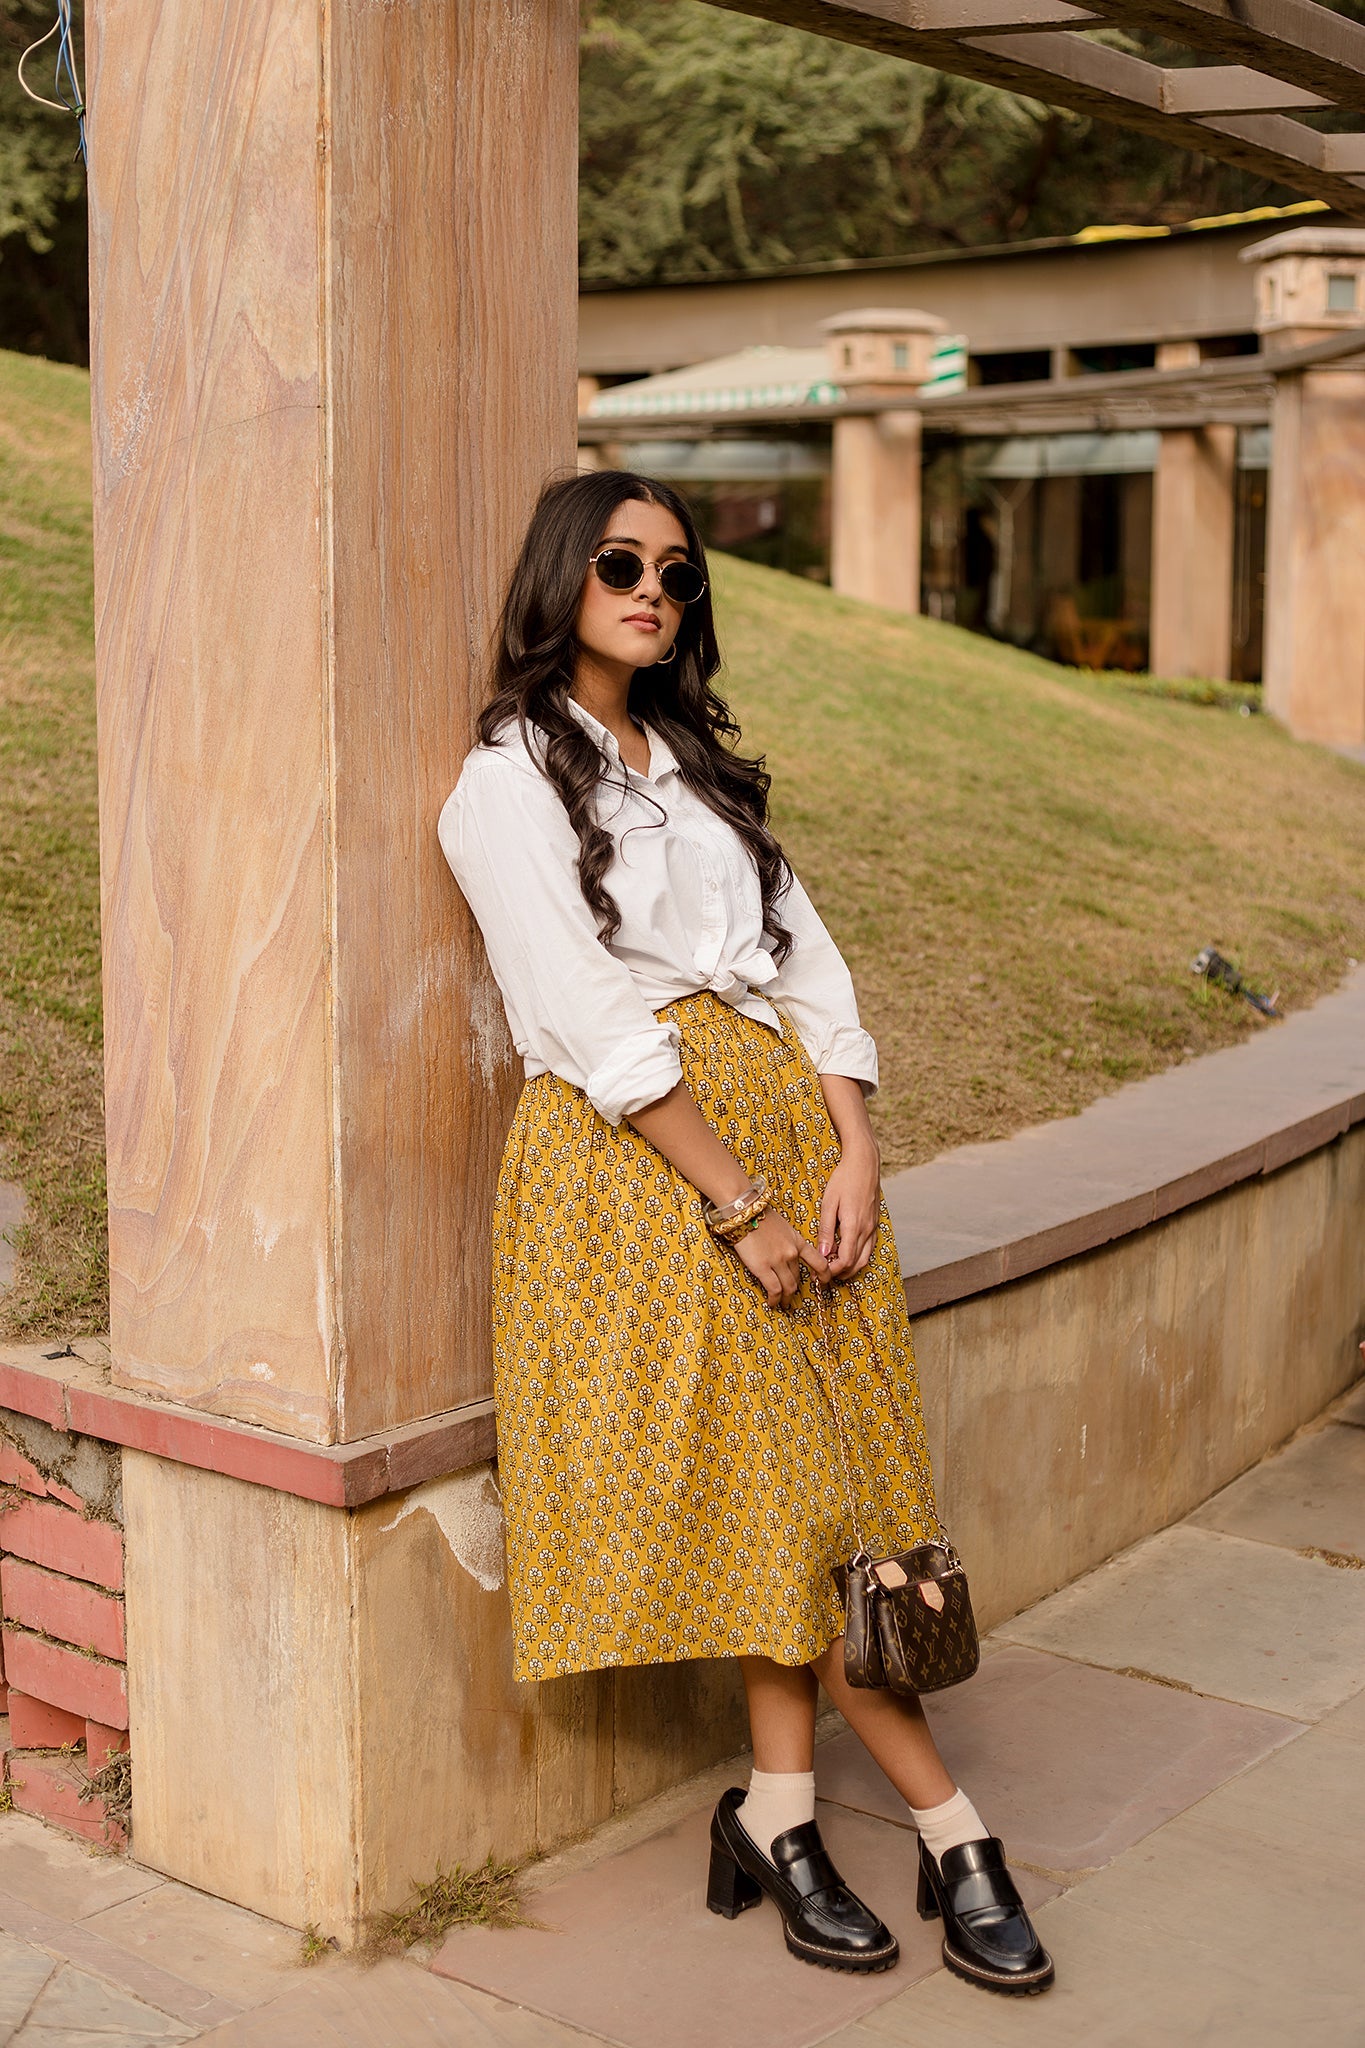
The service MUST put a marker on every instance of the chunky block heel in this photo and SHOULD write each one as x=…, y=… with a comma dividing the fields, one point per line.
x=823, y=1922
x=926, y=1904
x=729, y=1890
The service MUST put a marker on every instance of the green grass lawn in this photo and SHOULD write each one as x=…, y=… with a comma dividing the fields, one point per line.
x=1019, y=860
x=51, y=1117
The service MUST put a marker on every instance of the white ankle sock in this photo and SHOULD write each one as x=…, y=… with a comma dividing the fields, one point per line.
x=776, y=1801
x=950, y=1825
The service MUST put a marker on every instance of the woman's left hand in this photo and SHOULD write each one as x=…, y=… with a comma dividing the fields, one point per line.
x=849, y=1211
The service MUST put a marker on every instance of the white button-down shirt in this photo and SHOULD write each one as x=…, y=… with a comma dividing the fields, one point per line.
x=691, y=918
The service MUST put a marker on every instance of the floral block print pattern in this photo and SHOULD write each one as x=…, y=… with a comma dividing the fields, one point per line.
x=669, y=1463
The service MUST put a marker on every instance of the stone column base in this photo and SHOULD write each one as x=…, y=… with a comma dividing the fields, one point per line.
x=322, y=1705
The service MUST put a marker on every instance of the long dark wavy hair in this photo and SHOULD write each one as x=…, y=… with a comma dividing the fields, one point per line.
x=533, y=671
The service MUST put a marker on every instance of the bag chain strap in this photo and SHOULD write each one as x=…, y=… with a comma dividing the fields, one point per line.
x=922, y=1477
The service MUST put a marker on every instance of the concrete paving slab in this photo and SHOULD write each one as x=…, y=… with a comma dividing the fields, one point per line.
x=74, y=2008
x=1231, y=1618
x=23, y=1972
x=1345, y=1723
x=205, y=1941
x=1067, y=1764
x=49, y=1870
x=1310, y=1495
x=1257, y=1904
x=1121, y=1983
x=630, y=1953
x=395, y=2005
x=78, y=1944
x=1308, y=1799
x=1219, y=1929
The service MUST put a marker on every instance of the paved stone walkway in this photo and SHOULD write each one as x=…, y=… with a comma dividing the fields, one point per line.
x=1173, y=1750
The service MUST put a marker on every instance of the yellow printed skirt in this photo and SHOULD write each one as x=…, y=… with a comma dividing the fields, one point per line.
x=669, y=1465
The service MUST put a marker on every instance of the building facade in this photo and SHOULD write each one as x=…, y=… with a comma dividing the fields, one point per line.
x=1089, y=424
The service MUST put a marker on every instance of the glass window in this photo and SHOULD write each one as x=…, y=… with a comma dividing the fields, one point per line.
x=1341, y=292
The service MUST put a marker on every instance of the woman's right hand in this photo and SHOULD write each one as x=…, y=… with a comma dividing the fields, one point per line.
x=775, y=1253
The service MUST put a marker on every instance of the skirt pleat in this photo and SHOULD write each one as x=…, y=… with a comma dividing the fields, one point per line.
x=670, y=1471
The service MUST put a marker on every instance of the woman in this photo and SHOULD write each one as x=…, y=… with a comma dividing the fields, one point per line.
x=690, y=1155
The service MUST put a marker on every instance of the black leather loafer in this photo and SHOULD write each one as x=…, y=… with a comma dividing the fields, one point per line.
x=824, y=1922
x=988, y=1937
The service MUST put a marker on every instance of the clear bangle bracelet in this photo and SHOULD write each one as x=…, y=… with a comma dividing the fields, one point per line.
x=732, y=1216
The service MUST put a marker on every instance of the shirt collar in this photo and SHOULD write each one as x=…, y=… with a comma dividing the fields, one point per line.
x=662, y=760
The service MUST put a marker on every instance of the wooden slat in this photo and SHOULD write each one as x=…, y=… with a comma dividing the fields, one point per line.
x=1234, y=111
x=1002, y=17
x=1295, y=39
x=1231, y=89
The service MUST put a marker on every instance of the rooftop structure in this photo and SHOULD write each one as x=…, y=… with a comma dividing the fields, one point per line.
x=1108, y=504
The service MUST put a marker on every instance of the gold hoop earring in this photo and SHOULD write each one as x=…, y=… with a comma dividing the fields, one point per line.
x=665, y=659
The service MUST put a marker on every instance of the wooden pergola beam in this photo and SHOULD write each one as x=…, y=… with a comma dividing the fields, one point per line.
x=1279, y=57
x=1294, y=39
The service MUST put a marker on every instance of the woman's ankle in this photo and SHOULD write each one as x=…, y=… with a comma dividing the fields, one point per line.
x=776, y=1801
x=949, y=1825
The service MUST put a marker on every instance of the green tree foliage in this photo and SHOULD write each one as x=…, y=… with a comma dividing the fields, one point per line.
x=43, y=289
x=713, y=143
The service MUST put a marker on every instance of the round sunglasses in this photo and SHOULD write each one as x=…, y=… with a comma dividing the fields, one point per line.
x=622, y=568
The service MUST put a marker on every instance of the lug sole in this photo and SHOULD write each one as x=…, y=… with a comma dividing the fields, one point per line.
x=988, y=1980
x=850, y=1966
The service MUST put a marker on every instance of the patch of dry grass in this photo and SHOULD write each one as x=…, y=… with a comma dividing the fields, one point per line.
x=1020, y=861
x=314, y=1945
x=487, y=1896
x=112, y=1786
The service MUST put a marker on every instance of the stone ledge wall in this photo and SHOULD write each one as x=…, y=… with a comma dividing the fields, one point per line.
x=63, y=1677
x=1083, y=1407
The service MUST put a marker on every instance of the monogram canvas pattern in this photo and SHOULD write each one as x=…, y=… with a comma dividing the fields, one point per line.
x=669, y=1470
x=923, y=1649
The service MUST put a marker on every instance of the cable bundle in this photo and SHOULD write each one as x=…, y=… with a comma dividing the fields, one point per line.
x=66, y=84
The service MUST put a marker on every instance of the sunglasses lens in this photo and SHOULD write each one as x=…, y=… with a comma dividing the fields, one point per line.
x=618, y=568
x=682, y=581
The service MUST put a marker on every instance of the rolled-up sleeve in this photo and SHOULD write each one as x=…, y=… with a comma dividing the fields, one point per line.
x=571, y=1005
x=815, y=988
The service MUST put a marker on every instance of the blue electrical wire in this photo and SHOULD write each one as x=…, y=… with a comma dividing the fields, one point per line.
x=66, y=83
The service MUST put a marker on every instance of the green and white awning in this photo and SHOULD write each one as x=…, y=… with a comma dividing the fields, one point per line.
x=755, y=378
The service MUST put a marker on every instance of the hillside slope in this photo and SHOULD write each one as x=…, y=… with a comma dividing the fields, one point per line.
x=1019, y=861
x=1022, y=860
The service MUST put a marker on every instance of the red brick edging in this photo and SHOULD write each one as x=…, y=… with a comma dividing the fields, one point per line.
x=72, y=1394
x=63, y=1677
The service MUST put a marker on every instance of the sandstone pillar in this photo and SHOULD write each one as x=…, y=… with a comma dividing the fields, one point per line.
x=875, y=509
x=1310, y=285
x=324, y=400
x=333, y=260
x=875, y=483
x=1315, y=548
x=1192, y=528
